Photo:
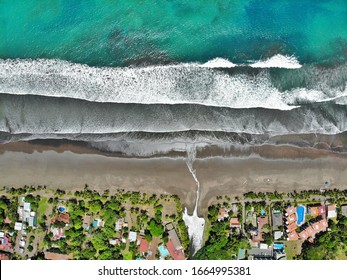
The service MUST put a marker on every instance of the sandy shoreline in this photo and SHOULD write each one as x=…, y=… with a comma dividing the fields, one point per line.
x=217, y=176
x=267, y=151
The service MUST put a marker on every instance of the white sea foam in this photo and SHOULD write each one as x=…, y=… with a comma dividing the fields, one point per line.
x=278, y=61
x=219, y=63
x=172, y=84
x=194, y=223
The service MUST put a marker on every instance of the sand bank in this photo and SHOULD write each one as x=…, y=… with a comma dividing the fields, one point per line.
x=217, y=176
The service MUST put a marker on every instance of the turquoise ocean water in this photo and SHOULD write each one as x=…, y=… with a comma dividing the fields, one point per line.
x=130, y=75
x=125, y=32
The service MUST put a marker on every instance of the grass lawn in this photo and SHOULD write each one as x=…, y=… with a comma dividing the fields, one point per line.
x=127, y=256
x=42, y=209
x=341, y=256
x=292, y=248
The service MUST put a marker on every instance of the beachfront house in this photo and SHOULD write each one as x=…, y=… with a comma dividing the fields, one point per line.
x=332, y=212
x=86, y=221
x=277, y=219
x=174, y=245
x=222, y=214
x=174, y=237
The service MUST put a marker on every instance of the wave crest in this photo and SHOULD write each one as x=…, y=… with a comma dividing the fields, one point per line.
x=278, y=61
x=172, y=84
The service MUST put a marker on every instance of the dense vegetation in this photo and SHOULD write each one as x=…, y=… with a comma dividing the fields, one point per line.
x=145, y=212
x=328, y=245
x=221, y=244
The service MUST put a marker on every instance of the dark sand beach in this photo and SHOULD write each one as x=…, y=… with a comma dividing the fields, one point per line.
x=283, y=168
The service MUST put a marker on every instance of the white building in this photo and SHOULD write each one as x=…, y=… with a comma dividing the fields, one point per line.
x=332, y=211
x=132, y=236
x=18, y=226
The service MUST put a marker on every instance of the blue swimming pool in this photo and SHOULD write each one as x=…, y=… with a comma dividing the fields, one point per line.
x=61, y=209
x=300, y=212
x=163, y=251
x=278, y=246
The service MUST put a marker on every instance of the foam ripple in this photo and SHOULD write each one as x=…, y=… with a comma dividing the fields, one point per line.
x=188, y=83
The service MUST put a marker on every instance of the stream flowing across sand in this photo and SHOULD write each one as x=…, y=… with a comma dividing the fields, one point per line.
x=194, y=223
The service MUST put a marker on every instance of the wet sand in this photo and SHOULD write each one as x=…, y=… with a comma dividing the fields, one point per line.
x=217, y=176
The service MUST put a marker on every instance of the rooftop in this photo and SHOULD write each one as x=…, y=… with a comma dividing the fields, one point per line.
x=292, y=227
x=261, y=252
x=144, y=245
x=262, y=221
x=290, y=210
x=291, y=218
x=234, y=222
x=174, y=237
x=277, y=220
x=293, y=236
x=278, y=234
x=175, y=254
x=132, y=236
x=313, y=211
x=86, y=220
x=55, y=256
x=223, y=213
x=18, y=226
x=321, y=210
x=64, y=217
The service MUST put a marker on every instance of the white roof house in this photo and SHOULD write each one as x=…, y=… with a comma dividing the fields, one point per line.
x=18, y=226
x=132, y=236
x=2, y=234
x=332, y=211
x=263, y=246
x=27, y=206
x=118, y=226
x=278, y=234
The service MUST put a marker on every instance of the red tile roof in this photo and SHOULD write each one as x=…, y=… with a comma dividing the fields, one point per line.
x=320, y=226
x=144, y=245
x=331, y=207
x=303, y=235
x=258, y=237
x=222, y=213
x=293, y=236
x=175, y=254
x=234, y=222
x=262, y=221
x=55, y=256
x=310, y=231
x=290, y=210
x=321, y=210
x=292, y=227
x=64, y=217
x=7, y=244
x=292, y=218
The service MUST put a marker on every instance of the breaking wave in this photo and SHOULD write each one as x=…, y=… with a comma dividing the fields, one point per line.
x=47, y=115
x=216, y=83
x=278, y=61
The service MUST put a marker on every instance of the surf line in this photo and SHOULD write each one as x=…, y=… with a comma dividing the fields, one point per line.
x=194, y=223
